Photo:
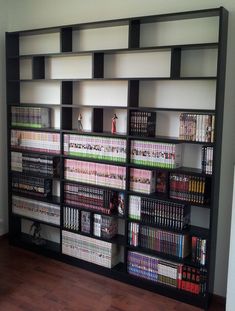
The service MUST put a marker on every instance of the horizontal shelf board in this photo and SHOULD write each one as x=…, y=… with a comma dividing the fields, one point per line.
x=201, y=111
x=93, y=106
x=26, y=240
x=34, y=152
x=93, y=211
x=182, y=169
x=169, y=139
x=209, y=45
x=94, y=160
x=125, y=21
x=93, y=185
x=103, y=134
x=33, y=174
x=118, y=239
x=52, y=199
x=163, y=256
x=43, y=129
x=166, y=198
x=34, y=105
x=37, y=220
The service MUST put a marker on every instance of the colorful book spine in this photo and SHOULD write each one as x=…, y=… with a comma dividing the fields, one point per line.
x=30, y=163
x=188, y=188
x=197, y=127
x=37, y=210
x=95, y=173
x=143, y=181
x=175, y=244
x=156, y=154
x=36, y=141
x=32, y=185
x=159, y=212
x=142, y=123
x=32, y=117
x=94, y=147
x=207, y=160
x=99, y=252
x=168, y=273
x=199, y=250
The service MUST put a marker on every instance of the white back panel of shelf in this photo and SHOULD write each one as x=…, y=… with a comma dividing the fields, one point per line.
x=200, y=217
x=26, y=70
x=47, y=232
x=100, y=38
x=86, y=118
x=73, y=67
x=197, y=94
x=192, y=155
x=55, y=117
x=188, y=31
x=40, y=44
x=45, y=92
x=147, y=64
x=100, y=93
x=121, y=122
x=56, y=187
x=199, y=63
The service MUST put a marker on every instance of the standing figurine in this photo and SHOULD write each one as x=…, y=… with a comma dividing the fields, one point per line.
x=80, y=127
x=36, y=238
x=114, y=124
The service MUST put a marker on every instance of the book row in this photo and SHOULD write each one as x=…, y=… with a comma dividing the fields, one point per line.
x=95, y=173
x=94, y=224
x=142, y=123
x=199, y=250
x=143, y=181
x=32, y=185
x=207, y=160
x=101, y=148
x=158, y=212
x=188, y=188
x=156, y=154
x=99, y=252
x=35, y=209
x=36, y=141
x=197, y=127
x=175, y=244
x=166, y=272
x=89, y=197
x=29, y=163
x=31, y=117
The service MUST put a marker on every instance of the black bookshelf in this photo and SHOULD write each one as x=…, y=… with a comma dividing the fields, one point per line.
x=68, y=109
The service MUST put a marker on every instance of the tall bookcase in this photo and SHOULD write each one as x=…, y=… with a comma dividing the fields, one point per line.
x=170, y=67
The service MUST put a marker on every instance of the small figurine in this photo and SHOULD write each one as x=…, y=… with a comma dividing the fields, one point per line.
x=114, y=124
x=80, y=127
x=36, y=227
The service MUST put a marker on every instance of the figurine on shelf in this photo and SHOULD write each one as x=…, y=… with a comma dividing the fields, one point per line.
x=36, y=237
x=80, y=127
x=114, y=130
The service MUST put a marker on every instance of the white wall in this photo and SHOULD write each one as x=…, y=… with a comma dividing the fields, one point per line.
x=26, y=14
x=3, y=132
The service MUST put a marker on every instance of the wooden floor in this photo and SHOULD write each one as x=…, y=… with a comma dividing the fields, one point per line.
x=29, y=282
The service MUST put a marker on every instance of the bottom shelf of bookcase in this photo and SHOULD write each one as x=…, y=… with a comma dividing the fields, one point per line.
x=118, y=272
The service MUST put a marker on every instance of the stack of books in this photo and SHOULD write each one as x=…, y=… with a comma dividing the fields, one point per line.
x=199, y=250
x=71, y=218
x=105, y=226
x=207, y=160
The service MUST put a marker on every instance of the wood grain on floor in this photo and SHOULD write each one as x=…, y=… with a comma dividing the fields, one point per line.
x=30, y=282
